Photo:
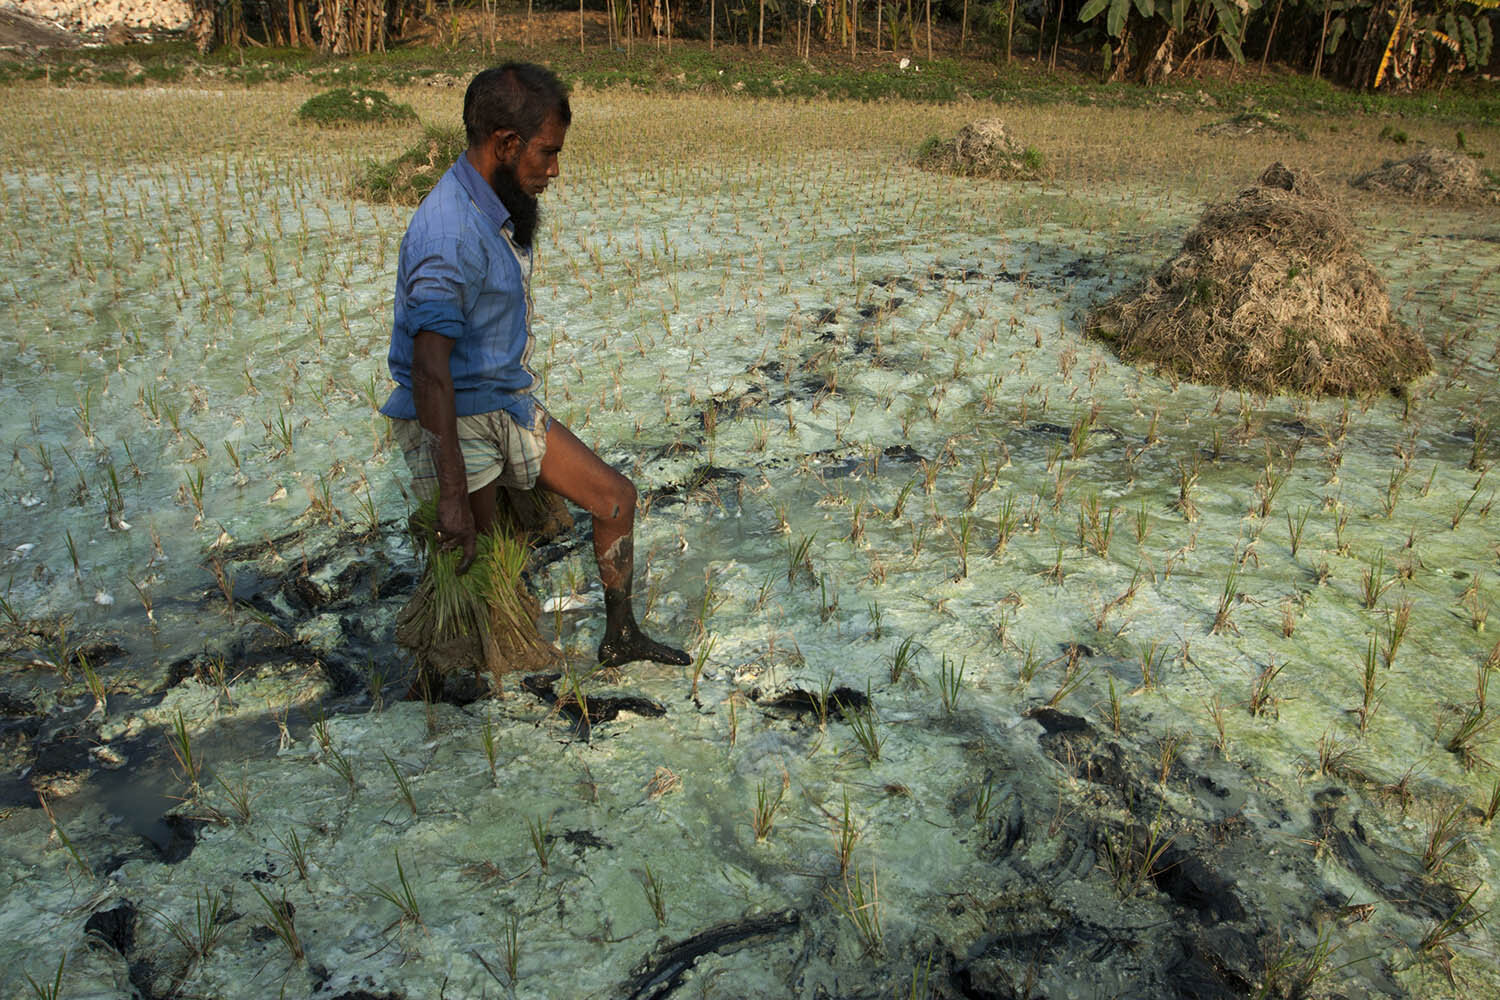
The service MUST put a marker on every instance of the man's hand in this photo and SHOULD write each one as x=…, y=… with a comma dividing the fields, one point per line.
x=455, y=529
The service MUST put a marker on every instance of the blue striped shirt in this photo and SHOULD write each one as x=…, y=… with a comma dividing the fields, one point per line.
x=462, y=277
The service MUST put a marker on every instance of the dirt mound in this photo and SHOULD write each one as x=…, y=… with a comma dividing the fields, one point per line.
x=1268, y=293
x=1431, y=175
x=983, y=148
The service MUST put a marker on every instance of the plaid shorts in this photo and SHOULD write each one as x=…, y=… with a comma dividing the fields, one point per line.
x=495, y=446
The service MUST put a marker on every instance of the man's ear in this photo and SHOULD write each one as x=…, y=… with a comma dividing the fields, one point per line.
x=507, y=143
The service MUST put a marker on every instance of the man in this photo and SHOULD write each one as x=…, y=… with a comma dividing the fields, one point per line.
x=463, y=410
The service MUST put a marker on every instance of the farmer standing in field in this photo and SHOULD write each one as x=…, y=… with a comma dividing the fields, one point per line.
x=463, y=410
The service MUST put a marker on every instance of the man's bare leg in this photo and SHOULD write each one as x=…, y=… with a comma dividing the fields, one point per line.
x=571, y=470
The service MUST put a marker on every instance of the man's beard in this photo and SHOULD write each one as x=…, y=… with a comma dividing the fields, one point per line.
x=523, y=208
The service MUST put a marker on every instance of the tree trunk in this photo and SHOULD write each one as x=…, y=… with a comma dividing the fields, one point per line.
x=1322, y=39
x=929, y=30
x=1010, y=30
x=879, y=10
x=760, y=38
x=580, y=24
x=1275, y=17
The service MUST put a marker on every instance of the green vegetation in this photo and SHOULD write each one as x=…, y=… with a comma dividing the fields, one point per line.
x=353, y=106
x=773, y=72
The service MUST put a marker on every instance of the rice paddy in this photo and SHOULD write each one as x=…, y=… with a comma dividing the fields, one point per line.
x=1015, y=668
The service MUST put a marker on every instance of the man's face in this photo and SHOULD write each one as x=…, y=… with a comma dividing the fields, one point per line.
x=535, y=162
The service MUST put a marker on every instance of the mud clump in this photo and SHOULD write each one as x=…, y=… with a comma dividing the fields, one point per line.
x=983, y=148
x=1433, y=175
x=1269, y=294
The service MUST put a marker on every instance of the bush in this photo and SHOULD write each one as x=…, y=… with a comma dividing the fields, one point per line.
x=353, y=106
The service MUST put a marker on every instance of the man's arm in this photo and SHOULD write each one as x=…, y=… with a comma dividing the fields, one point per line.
x=432, y=391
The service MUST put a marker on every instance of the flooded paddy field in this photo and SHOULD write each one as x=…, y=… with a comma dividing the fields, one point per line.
x=1018, y=672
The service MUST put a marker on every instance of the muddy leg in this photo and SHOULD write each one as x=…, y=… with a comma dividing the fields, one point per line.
x=571, y=470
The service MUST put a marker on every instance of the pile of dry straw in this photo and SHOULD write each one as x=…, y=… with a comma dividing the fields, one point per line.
x=1270, y=294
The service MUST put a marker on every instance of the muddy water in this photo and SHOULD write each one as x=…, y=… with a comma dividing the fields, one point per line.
x=838, y=383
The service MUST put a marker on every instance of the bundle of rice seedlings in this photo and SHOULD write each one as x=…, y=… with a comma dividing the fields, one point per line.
x=1432, y=175
x=482, y=621
x=1268, y=293
x=983, y=148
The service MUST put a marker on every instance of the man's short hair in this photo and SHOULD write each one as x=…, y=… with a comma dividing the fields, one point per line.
x=518, y=97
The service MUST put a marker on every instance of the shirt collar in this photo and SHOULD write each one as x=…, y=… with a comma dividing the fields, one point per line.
x=480, y=193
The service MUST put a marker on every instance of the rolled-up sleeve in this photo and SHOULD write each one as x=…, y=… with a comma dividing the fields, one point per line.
x=435, y=290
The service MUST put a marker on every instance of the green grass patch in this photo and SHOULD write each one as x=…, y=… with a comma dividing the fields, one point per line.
x=353, y=106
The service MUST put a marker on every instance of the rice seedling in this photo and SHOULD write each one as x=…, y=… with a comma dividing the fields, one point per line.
x=1372, y=584
x=1294, y=527
x=864, y=724
x=510, y=946
x=209, y=920
x=53, y=990
x=860, y=903
x=1444, y=834
x=1477, y=604
x=95, y=685
x=700, y=659
x=1267, y=487
x=1292, y=971
x=655, y=895
x=763, y=817
x=1262, y=701
x=903, y=658
x=63, y=839
x=1491, y=804
x=490, y=745
x=1462, y=509
x=1080, y=432
x=539, y=829
x=798, y=559
x=1395, y=631
x=180, y=741
x=1187, y=480
x=951, y=682
x=1133, y=857
x=403, y=784
x=1370, y=689
x=1151, y=659
x=1168, y=749
x=295, y=851
x=238, y=796
x=1142, y=524
x=400, y=896
x=1435, y=942
x=1216, y=716
x=1474, y=723
x=828, y=598
x=283, y=923
x=1095, y=531
x=1340, y=524
x=1074, y=674
x=1338, y=758
x=1223, y=616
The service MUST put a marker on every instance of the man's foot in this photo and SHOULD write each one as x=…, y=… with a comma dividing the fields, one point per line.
x=631, y=644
